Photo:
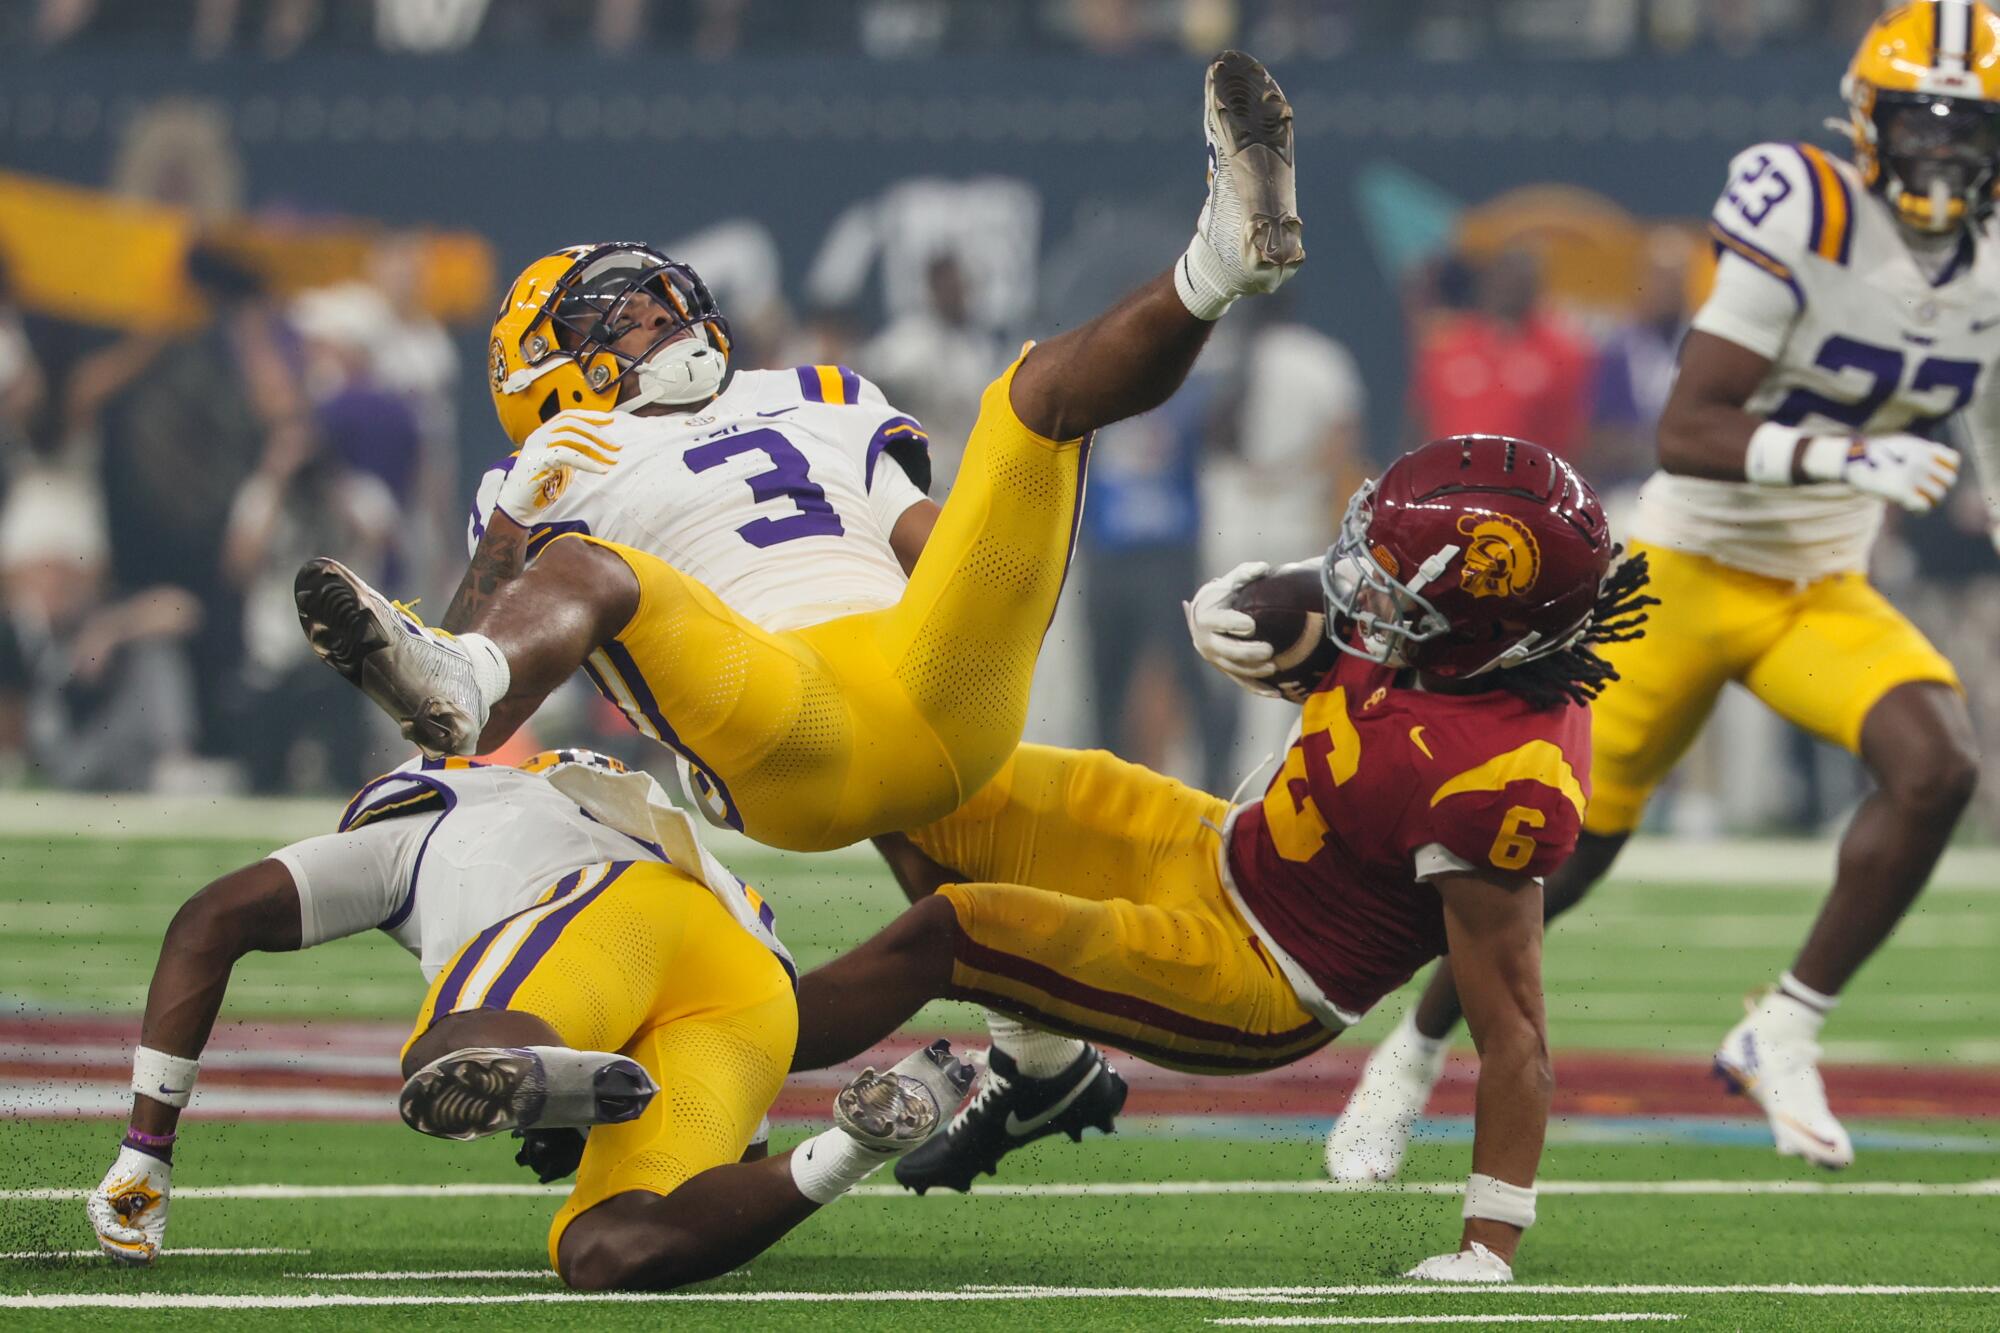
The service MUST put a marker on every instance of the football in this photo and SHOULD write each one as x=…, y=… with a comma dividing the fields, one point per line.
x=1290, y=611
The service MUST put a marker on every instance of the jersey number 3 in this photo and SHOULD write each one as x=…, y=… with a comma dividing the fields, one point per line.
x=786, y=480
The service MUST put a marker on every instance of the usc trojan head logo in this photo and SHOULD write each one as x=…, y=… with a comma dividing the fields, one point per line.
x=1502, y=558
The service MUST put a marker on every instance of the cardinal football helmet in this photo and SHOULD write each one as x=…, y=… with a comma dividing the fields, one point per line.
x=1471, y=554
x=552, y=344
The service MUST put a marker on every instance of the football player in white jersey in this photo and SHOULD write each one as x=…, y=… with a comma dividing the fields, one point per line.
x=591, y=967
x=1856, y=309
x=730, y=567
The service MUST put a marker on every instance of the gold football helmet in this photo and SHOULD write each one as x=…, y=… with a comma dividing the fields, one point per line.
x=553, y=343
x=1923, y=99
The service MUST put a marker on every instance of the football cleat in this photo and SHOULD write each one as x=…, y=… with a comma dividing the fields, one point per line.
x=483, y=1090
x=415, y=674
x=1251, y=217
x=896, y=1111
x=1779, y=1070
x=1012, y=1111
x=1368, y=1141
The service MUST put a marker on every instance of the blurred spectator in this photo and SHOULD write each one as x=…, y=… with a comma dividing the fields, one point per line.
x=1290, y=430
x=416, y=358
x=94, y=688
x=180, y=421
x=1504, y=367
x=179, y=151
x=22, y=384
x=1141, y=555
x=738, y=259
x=298, y=725
x=934, y=363
x=1635, y=367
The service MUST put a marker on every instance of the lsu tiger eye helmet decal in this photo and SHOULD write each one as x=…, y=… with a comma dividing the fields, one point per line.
x=1923, y=111
x=1473, y=553
x=561, y=338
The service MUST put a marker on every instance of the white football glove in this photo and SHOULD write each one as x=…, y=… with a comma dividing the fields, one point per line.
x=128, y=1209
x=559, y=448
x=1475, y=1263
x=1907, y=470
x=1224, y=636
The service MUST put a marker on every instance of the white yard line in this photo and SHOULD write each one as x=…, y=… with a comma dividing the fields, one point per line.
x=193, y=1251
x=443, y=1275
x=1359, y=1321
x=183, y=1301
x=1119, y=1188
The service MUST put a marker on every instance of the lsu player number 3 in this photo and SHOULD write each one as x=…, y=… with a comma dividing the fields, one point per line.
x=1856, y=310
x=1441, y=769
x=734, y=580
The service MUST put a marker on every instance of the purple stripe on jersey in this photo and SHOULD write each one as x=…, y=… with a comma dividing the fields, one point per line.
x=1727, y=240
x=544, y=533
x=354, y=806
x=543, y=938
x=850, y=386
x=402, y=912
x=454, y=984
x=1818, y=204
x=809, y=384
x=895, y=428
x=635, y=683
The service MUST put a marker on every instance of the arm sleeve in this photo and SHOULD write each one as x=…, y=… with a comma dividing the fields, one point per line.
x=1522, y=826
x=1763, y=227
x=354, y=881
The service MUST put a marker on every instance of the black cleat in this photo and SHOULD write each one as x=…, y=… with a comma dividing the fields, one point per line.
x=1010, y=1111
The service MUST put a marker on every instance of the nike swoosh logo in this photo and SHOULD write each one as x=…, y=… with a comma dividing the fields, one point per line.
x=780, y=412
x=1017, y=1127
x=1981, y=325
x=1417, y=735
x=166, y=1091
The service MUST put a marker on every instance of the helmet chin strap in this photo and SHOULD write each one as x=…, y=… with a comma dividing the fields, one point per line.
x=687, y=370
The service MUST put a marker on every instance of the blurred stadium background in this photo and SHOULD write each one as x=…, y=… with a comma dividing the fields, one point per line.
x=249, y=249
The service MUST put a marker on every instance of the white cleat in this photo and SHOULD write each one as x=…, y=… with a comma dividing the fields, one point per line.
x=481, y=1090
x=1779, y=1070
x=417, y=675
x=1251, y=218
x=1373, y=1132
x=896, y=1111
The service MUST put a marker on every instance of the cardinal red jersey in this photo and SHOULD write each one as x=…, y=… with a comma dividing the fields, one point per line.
x=1384, y=788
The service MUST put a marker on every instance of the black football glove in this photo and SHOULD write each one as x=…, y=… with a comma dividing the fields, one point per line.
x=550, y=1153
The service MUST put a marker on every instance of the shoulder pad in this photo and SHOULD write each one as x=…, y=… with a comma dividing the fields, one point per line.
x=1785, y=204
x=1519, y=811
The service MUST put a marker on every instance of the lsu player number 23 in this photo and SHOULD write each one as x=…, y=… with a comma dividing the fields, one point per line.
x=1856, y=311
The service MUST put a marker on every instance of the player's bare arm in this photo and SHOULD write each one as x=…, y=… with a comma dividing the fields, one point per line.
x=1705, y=429
x=1494, y=923
x=500, y=557
x=912, y=531
x=255, y=909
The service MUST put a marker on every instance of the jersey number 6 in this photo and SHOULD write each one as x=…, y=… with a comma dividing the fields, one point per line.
x=787, y=480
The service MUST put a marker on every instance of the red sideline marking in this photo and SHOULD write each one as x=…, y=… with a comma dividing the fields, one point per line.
x=294, y=1056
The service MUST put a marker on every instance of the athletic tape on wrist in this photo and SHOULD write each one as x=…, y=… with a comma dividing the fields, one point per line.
x=1768, y=459
x=164, y=1078
x=1497, y=1201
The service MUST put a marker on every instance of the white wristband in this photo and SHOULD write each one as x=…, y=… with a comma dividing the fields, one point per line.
x=1497, y=1201
x=1768, y=460
x=164, y=1078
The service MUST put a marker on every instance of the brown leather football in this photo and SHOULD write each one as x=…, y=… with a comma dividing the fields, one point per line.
x=1290, y=611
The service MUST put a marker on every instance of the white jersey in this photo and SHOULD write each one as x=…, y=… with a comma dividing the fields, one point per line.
x=436, y=851
x=1815, y=274
x=778, y=496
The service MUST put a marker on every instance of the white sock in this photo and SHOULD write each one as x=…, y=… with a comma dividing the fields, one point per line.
x=1037, y=1054
x=828, y=1165
x=1797, y=1010
x=490, y=672
x=1806, y=995
x=1202, y=280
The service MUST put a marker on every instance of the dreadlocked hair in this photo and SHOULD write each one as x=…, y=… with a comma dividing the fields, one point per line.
x=1576, y=673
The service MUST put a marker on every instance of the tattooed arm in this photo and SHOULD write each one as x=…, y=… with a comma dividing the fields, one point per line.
x=500, y=557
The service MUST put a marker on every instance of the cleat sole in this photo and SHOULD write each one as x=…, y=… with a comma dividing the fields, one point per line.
x=348, y=635
x=468, y=1094
x=1254, y=115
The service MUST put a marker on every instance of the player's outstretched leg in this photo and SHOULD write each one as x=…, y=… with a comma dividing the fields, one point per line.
x=716, y=1220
